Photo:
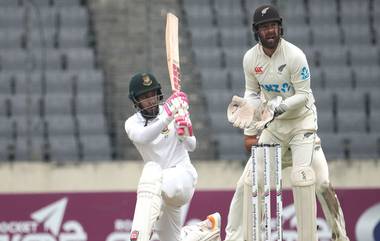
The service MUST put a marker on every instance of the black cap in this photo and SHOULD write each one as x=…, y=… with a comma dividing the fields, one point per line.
x=265, y=14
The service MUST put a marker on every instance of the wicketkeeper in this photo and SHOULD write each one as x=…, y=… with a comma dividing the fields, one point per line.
x=237, y=229
x=278, y=70
x=168, y=178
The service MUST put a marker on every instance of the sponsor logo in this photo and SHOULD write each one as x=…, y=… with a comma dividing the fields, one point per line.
x=122, y=231
x=46, y=224
x=368, y=226
x=304, y=73
x=290, y=225
x=259, y=70
x=283, y=88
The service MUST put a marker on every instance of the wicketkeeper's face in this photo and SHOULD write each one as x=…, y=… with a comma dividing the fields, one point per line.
x=148, y=103
x=269, y=34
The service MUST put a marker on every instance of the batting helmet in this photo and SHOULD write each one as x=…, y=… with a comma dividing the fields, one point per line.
x=142, y=83
x=265, y=14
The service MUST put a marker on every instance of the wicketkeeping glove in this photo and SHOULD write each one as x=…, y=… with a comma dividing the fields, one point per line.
x=240, y=113
x=268, y=113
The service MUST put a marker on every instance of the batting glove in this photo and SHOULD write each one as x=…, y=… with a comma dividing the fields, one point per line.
x=176, y=103
x=183, y=127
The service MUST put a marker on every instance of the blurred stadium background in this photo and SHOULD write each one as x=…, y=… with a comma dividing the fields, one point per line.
x=66, y=64
x=65, y=67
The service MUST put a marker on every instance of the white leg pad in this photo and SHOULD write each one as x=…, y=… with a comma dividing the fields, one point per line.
x=332, y=211
x=234, y=228
x=303, y=182
x=247, y=212
x=148, y=204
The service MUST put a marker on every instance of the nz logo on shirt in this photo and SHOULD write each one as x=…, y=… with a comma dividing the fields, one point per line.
x=304, y=73
x=281, y=68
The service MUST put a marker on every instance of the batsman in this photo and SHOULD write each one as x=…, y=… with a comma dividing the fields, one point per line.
x=279, y=105
x=168, y=178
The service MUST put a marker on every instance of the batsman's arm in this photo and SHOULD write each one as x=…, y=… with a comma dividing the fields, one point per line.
x=190, y=143
x=144, y=134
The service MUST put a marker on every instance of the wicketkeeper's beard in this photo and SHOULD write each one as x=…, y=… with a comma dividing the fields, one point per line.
x=270, y=43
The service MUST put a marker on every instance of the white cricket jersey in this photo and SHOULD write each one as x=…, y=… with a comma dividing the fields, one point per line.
x=286, y=74
x=158, y=143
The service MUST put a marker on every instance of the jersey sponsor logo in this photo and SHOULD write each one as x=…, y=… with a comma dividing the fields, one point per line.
x=259, y=70
x=283, y=88
x=304, y=73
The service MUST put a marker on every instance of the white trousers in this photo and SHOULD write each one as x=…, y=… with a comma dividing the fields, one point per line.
x=326, y=195
x=178, y=185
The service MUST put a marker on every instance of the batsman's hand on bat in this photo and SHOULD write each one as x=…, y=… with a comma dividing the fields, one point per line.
x=183, y=126
x=241, y=113
x=177, y=102
x=272, y=109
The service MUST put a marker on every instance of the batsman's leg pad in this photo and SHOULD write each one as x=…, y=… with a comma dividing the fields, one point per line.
x=148, y=204
x=332, y=211
x=303, y=182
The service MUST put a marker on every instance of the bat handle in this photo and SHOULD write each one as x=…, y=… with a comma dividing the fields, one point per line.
x=181, y=132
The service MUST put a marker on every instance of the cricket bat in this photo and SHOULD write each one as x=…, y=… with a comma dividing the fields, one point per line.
x=172, y=54
x=172, y=51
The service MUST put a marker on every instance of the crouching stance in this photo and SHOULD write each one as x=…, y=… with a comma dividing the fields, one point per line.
x=239, y=229
x=277, y=72
x=168, y=178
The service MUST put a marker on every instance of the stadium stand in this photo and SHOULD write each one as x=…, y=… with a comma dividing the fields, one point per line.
x=63, y=98
x=138, y=33
x=341, y=42
x=50, y=83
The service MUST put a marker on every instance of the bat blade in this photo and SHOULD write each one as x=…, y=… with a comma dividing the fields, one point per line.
x=172, y=54
x=172, y=51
